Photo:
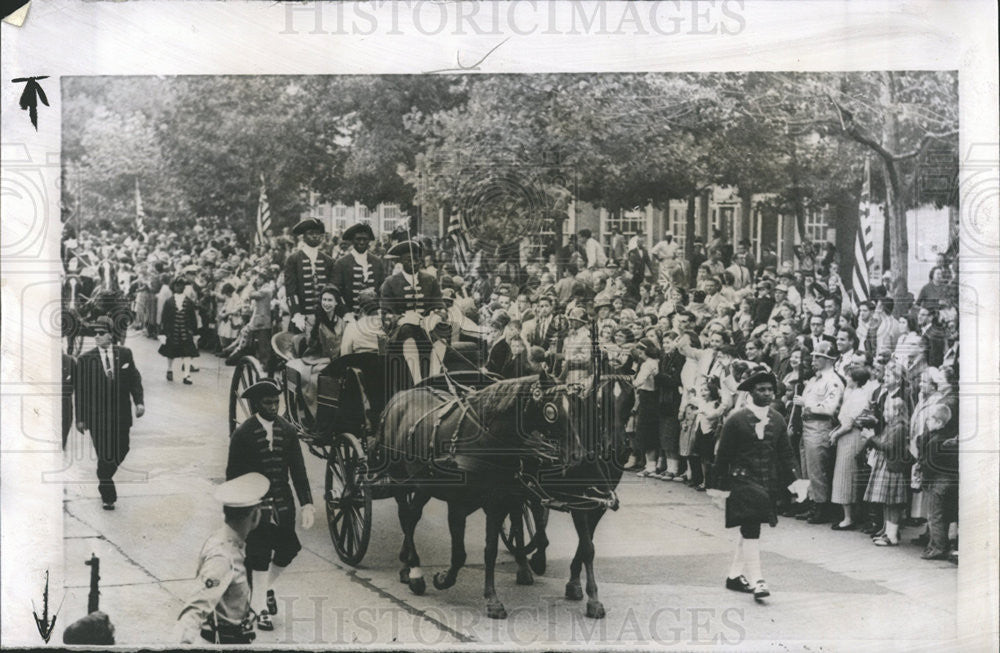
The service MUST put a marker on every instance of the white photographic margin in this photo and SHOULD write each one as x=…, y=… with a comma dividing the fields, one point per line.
x=64, y=37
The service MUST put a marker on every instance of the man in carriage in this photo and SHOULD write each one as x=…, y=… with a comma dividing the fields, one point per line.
x=307, y=271
x=358, y=270
x=416, y=313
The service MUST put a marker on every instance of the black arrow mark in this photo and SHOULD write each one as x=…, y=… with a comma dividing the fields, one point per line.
x=32, y=94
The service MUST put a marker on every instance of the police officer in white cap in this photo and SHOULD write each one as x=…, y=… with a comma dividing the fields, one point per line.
x=219, y=610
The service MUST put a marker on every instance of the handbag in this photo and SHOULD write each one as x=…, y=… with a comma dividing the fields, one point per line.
x=748, y=503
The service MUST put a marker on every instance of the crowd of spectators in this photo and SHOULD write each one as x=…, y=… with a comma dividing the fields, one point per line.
x=868, y=387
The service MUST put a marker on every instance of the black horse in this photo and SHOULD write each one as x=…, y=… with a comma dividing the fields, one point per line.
x=473, y=451
x=586, y=490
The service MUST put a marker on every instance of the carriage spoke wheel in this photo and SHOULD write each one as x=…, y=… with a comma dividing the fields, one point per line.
x=348, y=499
x=528, y=522
x=248, y=371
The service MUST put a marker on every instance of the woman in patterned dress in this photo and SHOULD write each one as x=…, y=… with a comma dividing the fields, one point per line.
x=890, y=480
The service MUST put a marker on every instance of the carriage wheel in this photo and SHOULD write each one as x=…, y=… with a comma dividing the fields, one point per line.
x=528, y=520
x=248, y=371
x=348, y=499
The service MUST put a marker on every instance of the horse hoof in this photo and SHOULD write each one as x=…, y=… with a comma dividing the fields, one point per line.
x=524, y=577
x=574, y=592
x=418, y=586
x=496, y=610
x=404, y=575
x=441, y=581
x=595, y=610
x=537, y=563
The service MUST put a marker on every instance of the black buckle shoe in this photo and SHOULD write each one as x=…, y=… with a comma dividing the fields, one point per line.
x=739, y=584
x=264, y=621
x=760, y=591
x=272, y=604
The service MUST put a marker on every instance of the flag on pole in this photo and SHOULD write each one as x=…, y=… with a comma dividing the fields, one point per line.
x=864, y=249
x=140, y=215
x=263, y=215
x=457, y=232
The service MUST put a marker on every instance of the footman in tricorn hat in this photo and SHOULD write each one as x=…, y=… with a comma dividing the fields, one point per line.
x=219, y=609
x=415, y=299
x=358, y=270
x=269, y=444
x=755, y=461
x=306, y=272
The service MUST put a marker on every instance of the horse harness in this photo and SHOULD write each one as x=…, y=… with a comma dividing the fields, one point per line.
x=593, y=497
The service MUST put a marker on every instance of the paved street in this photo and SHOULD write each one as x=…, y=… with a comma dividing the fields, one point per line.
x=661, y=560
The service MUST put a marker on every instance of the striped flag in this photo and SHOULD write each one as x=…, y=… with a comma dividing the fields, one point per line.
x=140, y=215
x=864, y=250
x=263, y=215
x=457, y=232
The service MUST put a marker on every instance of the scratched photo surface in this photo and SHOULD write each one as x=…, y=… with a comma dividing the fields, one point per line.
x=506, y=294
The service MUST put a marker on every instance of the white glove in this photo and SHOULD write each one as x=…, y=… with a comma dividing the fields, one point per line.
x=308, y=516
x=299, y=320
x=162, y=338
x=800, y=489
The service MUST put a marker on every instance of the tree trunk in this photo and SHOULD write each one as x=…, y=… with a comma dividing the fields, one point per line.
x=689, y=227
x=745, y=232
x=895, y=201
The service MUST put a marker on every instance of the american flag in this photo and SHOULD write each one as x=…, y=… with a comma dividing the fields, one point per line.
x=263, y=215
x=457, y=232
x=864, y=252
x=140, y=215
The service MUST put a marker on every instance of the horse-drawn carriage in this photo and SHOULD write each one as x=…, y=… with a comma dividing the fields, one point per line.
x=81, y=308
x=512, y=447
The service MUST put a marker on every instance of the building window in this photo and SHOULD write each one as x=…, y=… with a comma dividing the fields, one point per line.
x=816, y=225
x=339, y=211
x=678, y=225
x=390, y=211
x=628, y=222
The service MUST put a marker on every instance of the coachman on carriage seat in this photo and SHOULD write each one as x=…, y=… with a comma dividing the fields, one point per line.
x=414, y=299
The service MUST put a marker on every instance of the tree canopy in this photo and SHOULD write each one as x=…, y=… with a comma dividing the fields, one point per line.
x=506, y=150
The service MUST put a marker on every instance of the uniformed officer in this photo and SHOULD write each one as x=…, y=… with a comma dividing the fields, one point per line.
x=358, y=270
x=220, y=608
x=415, y=298
x=306, y=272
x=269, y=444
x=820, y=402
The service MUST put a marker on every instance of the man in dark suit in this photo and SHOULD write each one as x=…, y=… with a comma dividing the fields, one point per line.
x=639, y=264
x=307, y=270
x=107, y=383
x=269, y=444
x=358, y=270
x=414, y=301
x=544, y=330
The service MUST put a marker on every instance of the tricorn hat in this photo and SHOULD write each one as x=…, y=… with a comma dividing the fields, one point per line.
x=406, y=248
x=760, y=375
x=261, y=389
x=356, y=229
x=308, y=224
